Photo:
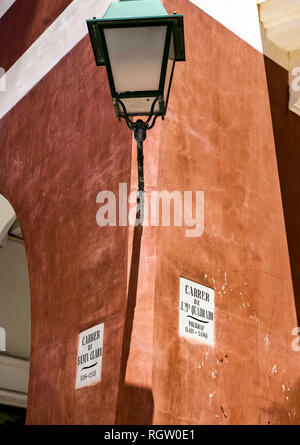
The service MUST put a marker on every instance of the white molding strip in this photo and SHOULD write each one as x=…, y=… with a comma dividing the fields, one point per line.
x=58, y=39
x=239, y=16
x=2, y=340
x=7, y=218
x=13, y=398
x=5, y=5
x=14, y=374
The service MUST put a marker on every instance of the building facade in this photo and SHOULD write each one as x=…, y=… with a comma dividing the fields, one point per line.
x=231, y=132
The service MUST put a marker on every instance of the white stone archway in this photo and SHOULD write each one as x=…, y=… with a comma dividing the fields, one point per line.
x=14, y=310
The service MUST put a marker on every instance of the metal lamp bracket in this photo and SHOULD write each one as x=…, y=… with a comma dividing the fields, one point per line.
x=139, y=129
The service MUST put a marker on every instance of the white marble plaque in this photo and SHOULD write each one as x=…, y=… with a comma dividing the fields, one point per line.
x=89, y=356
x=196, y=311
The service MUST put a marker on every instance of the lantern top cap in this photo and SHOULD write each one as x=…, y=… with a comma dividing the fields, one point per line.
x=134, y=9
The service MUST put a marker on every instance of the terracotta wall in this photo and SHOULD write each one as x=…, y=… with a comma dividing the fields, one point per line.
x=218, y=138
x=23, y=23
x=61, y=145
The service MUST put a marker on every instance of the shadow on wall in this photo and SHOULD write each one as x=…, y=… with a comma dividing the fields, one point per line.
x=286, y=128
x=138, y=406
x=135, y=404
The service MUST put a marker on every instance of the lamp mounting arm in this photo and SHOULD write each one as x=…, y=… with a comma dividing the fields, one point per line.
x=131, y=124
x=139, y=129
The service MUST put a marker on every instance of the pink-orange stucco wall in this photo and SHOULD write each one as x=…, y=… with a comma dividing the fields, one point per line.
x=218, y=138
x=61, y=145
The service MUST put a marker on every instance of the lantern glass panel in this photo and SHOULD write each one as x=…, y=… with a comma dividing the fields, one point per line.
x=135, y=55
x=139, y=105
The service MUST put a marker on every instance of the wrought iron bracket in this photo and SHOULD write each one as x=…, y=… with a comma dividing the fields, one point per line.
x=131, y=124
x=139, y=129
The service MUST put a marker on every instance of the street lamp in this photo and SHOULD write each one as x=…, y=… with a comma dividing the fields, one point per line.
x=139, y=43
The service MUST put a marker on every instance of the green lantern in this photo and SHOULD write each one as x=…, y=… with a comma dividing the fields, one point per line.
x=139, y=43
